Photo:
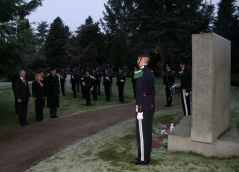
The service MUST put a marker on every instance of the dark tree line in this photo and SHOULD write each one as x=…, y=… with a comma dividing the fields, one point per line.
x=163, y=26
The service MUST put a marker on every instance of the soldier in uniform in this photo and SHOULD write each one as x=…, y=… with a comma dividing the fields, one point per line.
x=74, y=78
x=145, y=107
x=94, y=77
x=88, y=86
x=98, y=79
x=121, y=78
x=81, y=75
x=52, y=92
x=168, y=82
x=63, y=76
x=107, y=80
x=186, y=82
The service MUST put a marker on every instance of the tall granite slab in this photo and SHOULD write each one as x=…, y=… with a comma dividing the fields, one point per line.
x=211, y=74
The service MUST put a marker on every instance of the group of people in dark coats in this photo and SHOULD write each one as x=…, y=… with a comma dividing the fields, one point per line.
x=41, y=87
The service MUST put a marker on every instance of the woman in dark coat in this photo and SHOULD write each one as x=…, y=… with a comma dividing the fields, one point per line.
x=39, y=96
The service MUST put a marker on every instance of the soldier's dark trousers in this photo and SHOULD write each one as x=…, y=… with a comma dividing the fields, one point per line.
x=185, y=102
x=87, y=96
x=63, y=88
x=168, y=96
x=53, y=112
x=78, y=86
x=39, y=105
x=144, y=135
x=107, y=93
x=82, y=91
x=95, y=93
x=22, y=112
x=73, y=86
x=121, y=93
x=98, y=87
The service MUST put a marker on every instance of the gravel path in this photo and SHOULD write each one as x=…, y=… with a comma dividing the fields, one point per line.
x=27, y=145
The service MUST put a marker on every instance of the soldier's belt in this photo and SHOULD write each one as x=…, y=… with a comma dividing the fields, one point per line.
x=147, y=94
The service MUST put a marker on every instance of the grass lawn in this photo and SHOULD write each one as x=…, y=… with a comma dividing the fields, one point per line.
x=114, y=148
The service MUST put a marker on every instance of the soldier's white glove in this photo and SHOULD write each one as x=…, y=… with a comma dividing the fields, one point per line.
x=91, y=88
x=140, y=115
x=121, y=80
x=107, y=78
x=136, y=108
x=92, y=77
x=72, y=77
x=83, y=83
x=186, y=94
x=164, y=86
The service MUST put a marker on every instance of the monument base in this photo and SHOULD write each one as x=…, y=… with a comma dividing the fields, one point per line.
x=179, y=139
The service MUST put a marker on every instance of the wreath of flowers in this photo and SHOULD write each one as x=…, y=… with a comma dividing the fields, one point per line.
x=160, y=136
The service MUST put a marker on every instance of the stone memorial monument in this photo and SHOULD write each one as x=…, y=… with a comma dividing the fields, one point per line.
x=209, y=131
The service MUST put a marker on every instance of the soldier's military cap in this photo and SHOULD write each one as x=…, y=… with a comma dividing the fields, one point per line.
x=167, y=65
x=184, y=59
x=144, y=53
x=52, y=68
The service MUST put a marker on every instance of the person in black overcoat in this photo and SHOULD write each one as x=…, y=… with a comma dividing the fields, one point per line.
x=22, y=93
x=38, y=96
x=52, y=92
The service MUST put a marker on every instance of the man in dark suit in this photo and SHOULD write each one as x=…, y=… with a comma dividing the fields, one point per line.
x=22, y=93
x=52, y=92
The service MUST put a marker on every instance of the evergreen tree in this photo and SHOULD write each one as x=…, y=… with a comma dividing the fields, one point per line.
x=40, y=39
x=15, y=34
x=162, y=26
x=89, y=40
x=117, y=33
x=56, y=44
x=227, y=25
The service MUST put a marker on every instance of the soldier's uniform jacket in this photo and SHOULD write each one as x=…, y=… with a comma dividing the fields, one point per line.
x=94, y=77
x=63, y=76
x=74, y=77
x=145, y=89
x=107, y=80
x=52, y=91
x=186, y=80
x=121, y=78
x=99, y=74
x=168, y=79
x=88, y=81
